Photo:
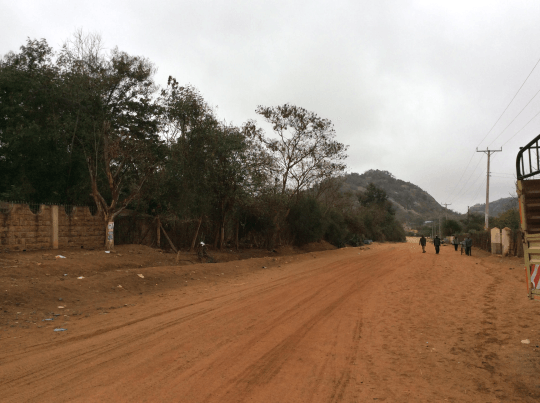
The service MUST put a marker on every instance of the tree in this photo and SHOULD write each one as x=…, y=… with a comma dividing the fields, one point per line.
x=115, y=120
x=509, y=218
x=184, y=109
x=378, y=215
x=451, y=227
x=373, y=196
x=304, y=153
x=305, y=150
x=38, y=159
x=474, y=223
x=305, y=220
x=181, y=189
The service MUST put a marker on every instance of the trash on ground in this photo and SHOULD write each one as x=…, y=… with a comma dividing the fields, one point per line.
x=140, y=275
x=48, y=319
x=118, y=286
x=65, y=274
x=526, y=341
x=60, y=329
x=80, y=278
x=61, y=307
x=107, y=251
x=60, y=257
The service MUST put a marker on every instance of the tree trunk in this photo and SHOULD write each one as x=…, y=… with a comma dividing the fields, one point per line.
x=222, y=234
x=216, y=239
x=237, y=230
x=109, y=233
x=158, y=234
x=196, y=235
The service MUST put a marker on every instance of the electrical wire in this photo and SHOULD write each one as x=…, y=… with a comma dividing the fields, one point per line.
x=465, y=170
x=470, y=176
x=475, y=182
x=537, y=92
x=512, y=100
x=526, y=124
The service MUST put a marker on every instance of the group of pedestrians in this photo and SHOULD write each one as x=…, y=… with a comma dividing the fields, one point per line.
x=466, y=243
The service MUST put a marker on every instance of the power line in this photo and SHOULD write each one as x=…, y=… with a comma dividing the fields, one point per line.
x=477, y=193
x=465, y=170
x=512, y=100
x=504, y=111
x=526, y=124
x=470, y=176
x=473, y=184
x=537, y=92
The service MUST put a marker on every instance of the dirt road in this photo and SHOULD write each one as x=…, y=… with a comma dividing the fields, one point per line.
x=386, y=323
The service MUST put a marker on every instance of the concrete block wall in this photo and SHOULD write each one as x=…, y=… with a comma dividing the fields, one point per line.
x=49, y=227
x=80, y=228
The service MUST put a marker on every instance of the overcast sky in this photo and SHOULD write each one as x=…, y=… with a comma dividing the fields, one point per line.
x=413, y=87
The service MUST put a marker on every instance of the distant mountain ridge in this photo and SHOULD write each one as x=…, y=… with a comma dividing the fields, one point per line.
x=414, y=205
x=496, y=207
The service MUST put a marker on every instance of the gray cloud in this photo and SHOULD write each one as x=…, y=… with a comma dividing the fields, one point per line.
x=412, y=86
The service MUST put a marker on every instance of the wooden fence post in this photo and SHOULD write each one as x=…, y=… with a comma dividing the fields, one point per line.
x=158, y=233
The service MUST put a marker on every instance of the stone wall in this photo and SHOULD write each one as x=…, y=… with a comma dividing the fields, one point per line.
x=24, y=227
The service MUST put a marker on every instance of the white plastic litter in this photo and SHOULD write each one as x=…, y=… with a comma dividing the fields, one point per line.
x=80, y=278
x=140, y=275
x=60, y=257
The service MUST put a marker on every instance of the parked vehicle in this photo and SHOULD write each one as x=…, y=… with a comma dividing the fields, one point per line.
x=528, y=190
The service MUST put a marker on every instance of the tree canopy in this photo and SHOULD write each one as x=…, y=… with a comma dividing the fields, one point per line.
x=87, y=125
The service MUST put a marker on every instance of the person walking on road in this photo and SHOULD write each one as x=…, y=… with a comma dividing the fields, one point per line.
x=455, y=242
x=423, y=243
x=468, y=246
x=437, y=243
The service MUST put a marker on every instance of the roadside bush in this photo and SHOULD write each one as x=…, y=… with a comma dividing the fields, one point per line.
x=335, y=229
x=305, y=221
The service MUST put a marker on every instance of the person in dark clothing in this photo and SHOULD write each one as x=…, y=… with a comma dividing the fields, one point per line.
x=437, y=243
x=423, y=243
x=468, y=246
x=455, y=242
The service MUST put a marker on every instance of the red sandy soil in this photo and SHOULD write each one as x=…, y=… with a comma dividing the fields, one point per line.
x=378, y=323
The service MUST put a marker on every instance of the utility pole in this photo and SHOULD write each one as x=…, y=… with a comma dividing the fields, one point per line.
x=446, y=208
x=488, y=152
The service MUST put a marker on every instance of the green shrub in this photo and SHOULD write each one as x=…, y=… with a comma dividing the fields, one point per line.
x=305, y=221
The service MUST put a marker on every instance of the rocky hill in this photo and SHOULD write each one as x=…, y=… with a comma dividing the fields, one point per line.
x=413, y=205
x=496, y=207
